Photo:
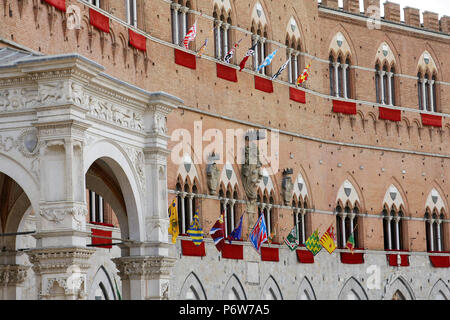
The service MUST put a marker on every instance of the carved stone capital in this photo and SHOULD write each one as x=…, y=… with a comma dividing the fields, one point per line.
x=12, y=274
x=149, y=267
x=59, y=260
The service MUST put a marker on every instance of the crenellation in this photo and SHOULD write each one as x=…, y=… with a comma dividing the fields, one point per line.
x=370, y=6
x=351, y=6
x=431, y=20
x=331, y=3
x=412, y=16
x=392, y=11
x=445, y=24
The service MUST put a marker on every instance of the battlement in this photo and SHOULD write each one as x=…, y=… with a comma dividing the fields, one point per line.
x=392, y=13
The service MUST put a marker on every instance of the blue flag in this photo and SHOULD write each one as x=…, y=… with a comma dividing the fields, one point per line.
x=236, y=234
x=259, y=233
x=267, y=61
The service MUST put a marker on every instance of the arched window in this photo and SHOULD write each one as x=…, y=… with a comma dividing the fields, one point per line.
x=187, y=201
x=346, y=224
x=385, y=84
x=180, y=20
x=301, y=217
x=229, y=209
x=222, y=34
x=295, y=65
x=265, y=206
x=426, y=87
x=393, y=220
x=340, y=77
x=434, y=230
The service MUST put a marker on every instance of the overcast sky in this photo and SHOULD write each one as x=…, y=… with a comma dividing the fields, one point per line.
x=439, y=6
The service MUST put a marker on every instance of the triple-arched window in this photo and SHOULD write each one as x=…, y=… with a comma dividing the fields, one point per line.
x=385, y=84
x=301, y=217
x=426, y=86
x=180, y=20
x=434, y=225
x=340, y=76
x=187, y=203
x=393, y=220
x=346, y=224
x=222, y=33
x=259, y=37
x=229, y=208
x=293, y=53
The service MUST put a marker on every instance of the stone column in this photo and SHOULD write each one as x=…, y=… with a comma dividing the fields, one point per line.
x=225, y=39
x=389, y=219
x=176, y=7
x=183, y=10
x=424, y=96
x=255, y=40
x=431, y=95
x=296, y=65
x=382, y=74
x=397, y=233
x=291, y=69
x=263, y=54
x=391, y=92
x=343, y=216
x=218, y=39
x=233, y=223
x=269, y=222
x=145, y=266
x=303, y=226
x=12, y=276
x=438, y=236
x=183, y=212
x=336, y=78
x=344, y=79
x=191, y=213
x=145, y=277
x=225, y=214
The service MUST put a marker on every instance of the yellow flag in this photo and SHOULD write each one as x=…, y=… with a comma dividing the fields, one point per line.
x=327, y=240
x=174, y=230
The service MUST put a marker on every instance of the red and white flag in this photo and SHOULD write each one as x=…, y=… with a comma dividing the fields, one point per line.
x=217, y=232
x=190, y=36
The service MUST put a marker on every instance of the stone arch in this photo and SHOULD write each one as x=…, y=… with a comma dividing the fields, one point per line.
x=346, y=48
x=435, y=200
x=302, y=188
x=20, y=187
x=440, y=291
x=395, y=196
x=427, y=65
x=128, y=180
x=401, y=286
x=305, y=290
x=234, y=289
x=347, y=193
x=271, y=290
x=192, y=289
x=352, y=290
x=102, y=281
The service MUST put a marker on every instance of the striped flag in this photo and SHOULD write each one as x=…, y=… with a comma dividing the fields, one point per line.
x=218, y=234
x=304, y=76
x=249, y=53
x=230, y=53
x=279, y=72
x=328, y=240
x=259, y=233
x=267, y=60
x=190, y=36
x=195, y=231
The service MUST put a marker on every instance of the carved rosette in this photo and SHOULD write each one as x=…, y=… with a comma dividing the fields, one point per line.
x=156, y=267
x=12, y=274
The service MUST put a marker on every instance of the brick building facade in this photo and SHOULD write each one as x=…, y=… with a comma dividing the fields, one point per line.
x=363, y=144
